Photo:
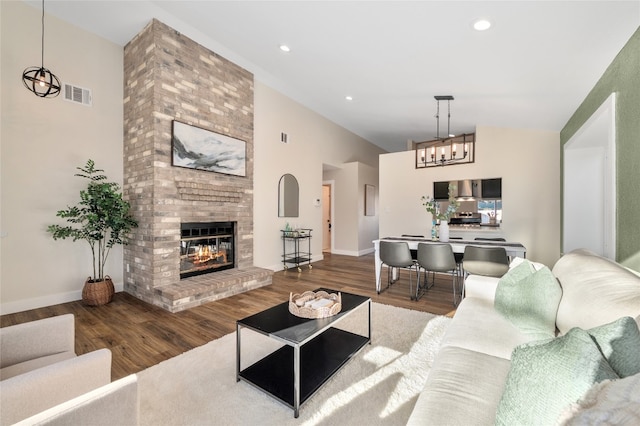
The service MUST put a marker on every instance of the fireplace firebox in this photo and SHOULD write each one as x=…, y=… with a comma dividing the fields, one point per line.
x=206, y=247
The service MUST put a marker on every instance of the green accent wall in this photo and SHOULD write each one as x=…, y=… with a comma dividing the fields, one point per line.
x=623, y=78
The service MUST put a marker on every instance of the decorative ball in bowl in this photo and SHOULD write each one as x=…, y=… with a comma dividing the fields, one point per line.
x=315, y=304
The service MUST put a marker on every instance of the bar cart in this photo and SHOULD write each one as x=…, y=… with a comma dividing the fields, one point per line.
x=291, y=251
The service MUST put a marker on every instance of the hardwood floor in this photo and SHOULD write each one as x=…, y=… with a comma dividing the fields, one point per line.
x=141, y=335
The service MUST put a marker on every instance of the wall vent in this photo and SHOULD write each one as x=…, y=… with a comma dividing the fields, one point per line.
x=77, y=94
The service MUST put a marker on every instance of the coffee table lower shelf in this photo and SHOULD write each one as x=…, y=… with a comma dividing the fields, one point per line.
x=320, y=359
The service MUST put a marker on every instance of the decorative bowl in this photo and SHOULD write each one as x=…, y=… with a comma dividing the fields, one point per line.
x=315, y=305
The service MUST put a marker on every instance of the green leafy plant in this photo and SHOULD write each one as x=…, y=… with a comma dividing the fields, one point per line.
x=433, y=206
x=101, y=217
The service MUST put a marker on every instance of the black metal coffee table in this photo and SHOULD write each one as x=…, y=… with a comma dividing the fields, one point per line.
x=313, y=350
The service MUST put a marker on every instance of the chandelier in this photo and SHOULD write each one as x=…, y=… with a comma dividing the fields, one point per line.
x=445, y=151
x=39, y=80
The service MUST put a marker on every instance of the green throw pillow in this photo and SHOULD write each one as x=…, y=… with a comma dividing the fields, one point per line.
x=515, y=274
x=529, y=300
x=546, y=377
x=619, y=342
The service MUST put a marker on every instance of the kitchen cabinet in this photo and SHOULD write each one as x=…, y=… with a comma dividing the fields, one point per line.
x=441, y=191
x=485, y=189
x=491, y=189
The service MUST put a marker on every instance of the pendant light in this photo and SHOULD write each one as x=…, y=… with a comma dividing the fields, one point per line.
x=448, y=150
x=447, y=98
x=40, y=80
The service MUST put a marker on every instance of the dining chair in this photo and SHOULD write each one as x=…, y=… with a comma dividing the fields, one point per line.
x=396, y=254
x=414, y=253
x=437, y=258
x=458, y=256
x=499, y=239
x=486, y=261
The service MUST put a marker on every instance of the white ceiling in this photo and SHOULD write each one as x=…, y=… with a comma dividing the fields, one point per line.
x=531, y=69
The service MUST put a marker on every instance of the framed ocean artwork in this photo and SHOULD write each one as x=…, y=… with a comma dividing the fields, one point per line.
x=201, y=149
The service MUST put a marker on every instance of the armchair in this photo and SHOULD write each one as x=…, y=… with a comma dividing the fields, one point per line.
x=39, y=368
x=27, y=346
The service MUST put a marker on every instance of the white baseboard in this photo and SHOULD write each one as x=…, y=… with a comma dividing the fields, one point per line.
x=44, y=301
x=354, y=253
x=345, y=252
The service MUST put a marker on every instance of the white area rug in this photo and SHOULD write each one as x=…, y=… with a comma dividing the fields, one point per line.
x=379, y=386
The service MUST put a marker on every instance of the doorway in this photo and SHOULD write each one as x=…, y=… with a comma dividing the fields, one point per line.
x=327, y=216
x=589, y=190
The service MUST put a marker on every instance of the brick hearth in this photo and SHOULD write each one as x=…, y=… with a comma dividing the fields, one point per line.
x=170, y=77
x=195, y=291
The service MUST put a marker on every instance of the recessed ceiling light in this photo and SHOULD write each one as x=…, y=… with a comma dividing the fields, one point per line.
x=481, y=25
x=285, y=48
x=349, y=98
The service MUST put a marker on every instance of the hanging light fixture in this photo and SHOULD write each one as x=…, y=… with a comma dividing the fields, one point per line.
x=448, y=150
x=40, y=80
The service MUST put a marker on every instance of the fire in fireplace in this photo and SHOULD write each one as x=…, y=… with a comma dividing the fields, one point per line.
x=206, y=247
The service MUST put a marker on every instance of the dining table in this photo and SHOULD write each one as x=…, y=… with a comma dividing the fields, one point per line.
x=513, y=249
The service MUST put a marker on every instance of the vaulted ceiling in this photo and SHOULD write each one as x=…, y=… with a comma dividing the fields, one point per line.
x=531, y=69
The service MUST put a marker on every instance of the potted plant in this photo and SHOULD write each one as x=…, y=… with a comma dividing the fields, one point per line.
x=102, y=219
x=433, y=207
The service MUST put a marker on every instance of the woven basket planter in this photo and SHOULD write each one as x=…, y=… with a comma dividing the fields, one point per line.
x=99, y=292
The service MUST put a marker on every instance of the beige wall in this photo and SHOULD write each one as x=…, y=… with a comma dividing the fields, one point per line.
x=367, y=225
x=42, y=142
x=353, y=231
x=313, y=141
x=344, y=225
x=528, y=162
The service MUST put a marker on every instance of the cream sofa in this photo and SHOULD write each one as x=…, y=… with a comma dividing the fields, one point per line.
x=44, y=382
x=471, y=370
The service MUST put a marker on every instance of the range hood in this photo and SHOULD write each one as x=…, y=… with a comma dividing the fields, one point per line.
x=468, y=189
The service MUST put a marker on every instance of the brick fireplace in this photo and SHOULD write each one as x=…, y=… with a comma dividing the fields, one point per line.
x=170, y=77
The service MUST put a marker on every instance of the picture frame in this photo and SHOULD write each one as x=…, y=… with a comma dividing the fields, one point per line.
x=193, y=147
x=369, y=200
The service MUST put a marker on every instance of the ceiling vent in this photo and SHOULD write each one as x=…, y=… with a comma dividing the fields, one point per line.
x=77, y=94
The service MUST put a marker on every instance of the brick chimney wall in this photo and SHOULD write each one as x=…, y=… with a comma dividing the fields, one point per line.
x=168, y=76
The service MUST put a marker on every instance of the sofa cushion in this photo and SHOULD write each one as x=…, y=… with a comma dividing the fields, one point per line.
x=463, y=388
x=483, y=287
x=619, y=342
x=480, y=287
x=518, y=260
x=477, y=326
x=595, y=291
x=529, y=299
x=546, y=377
